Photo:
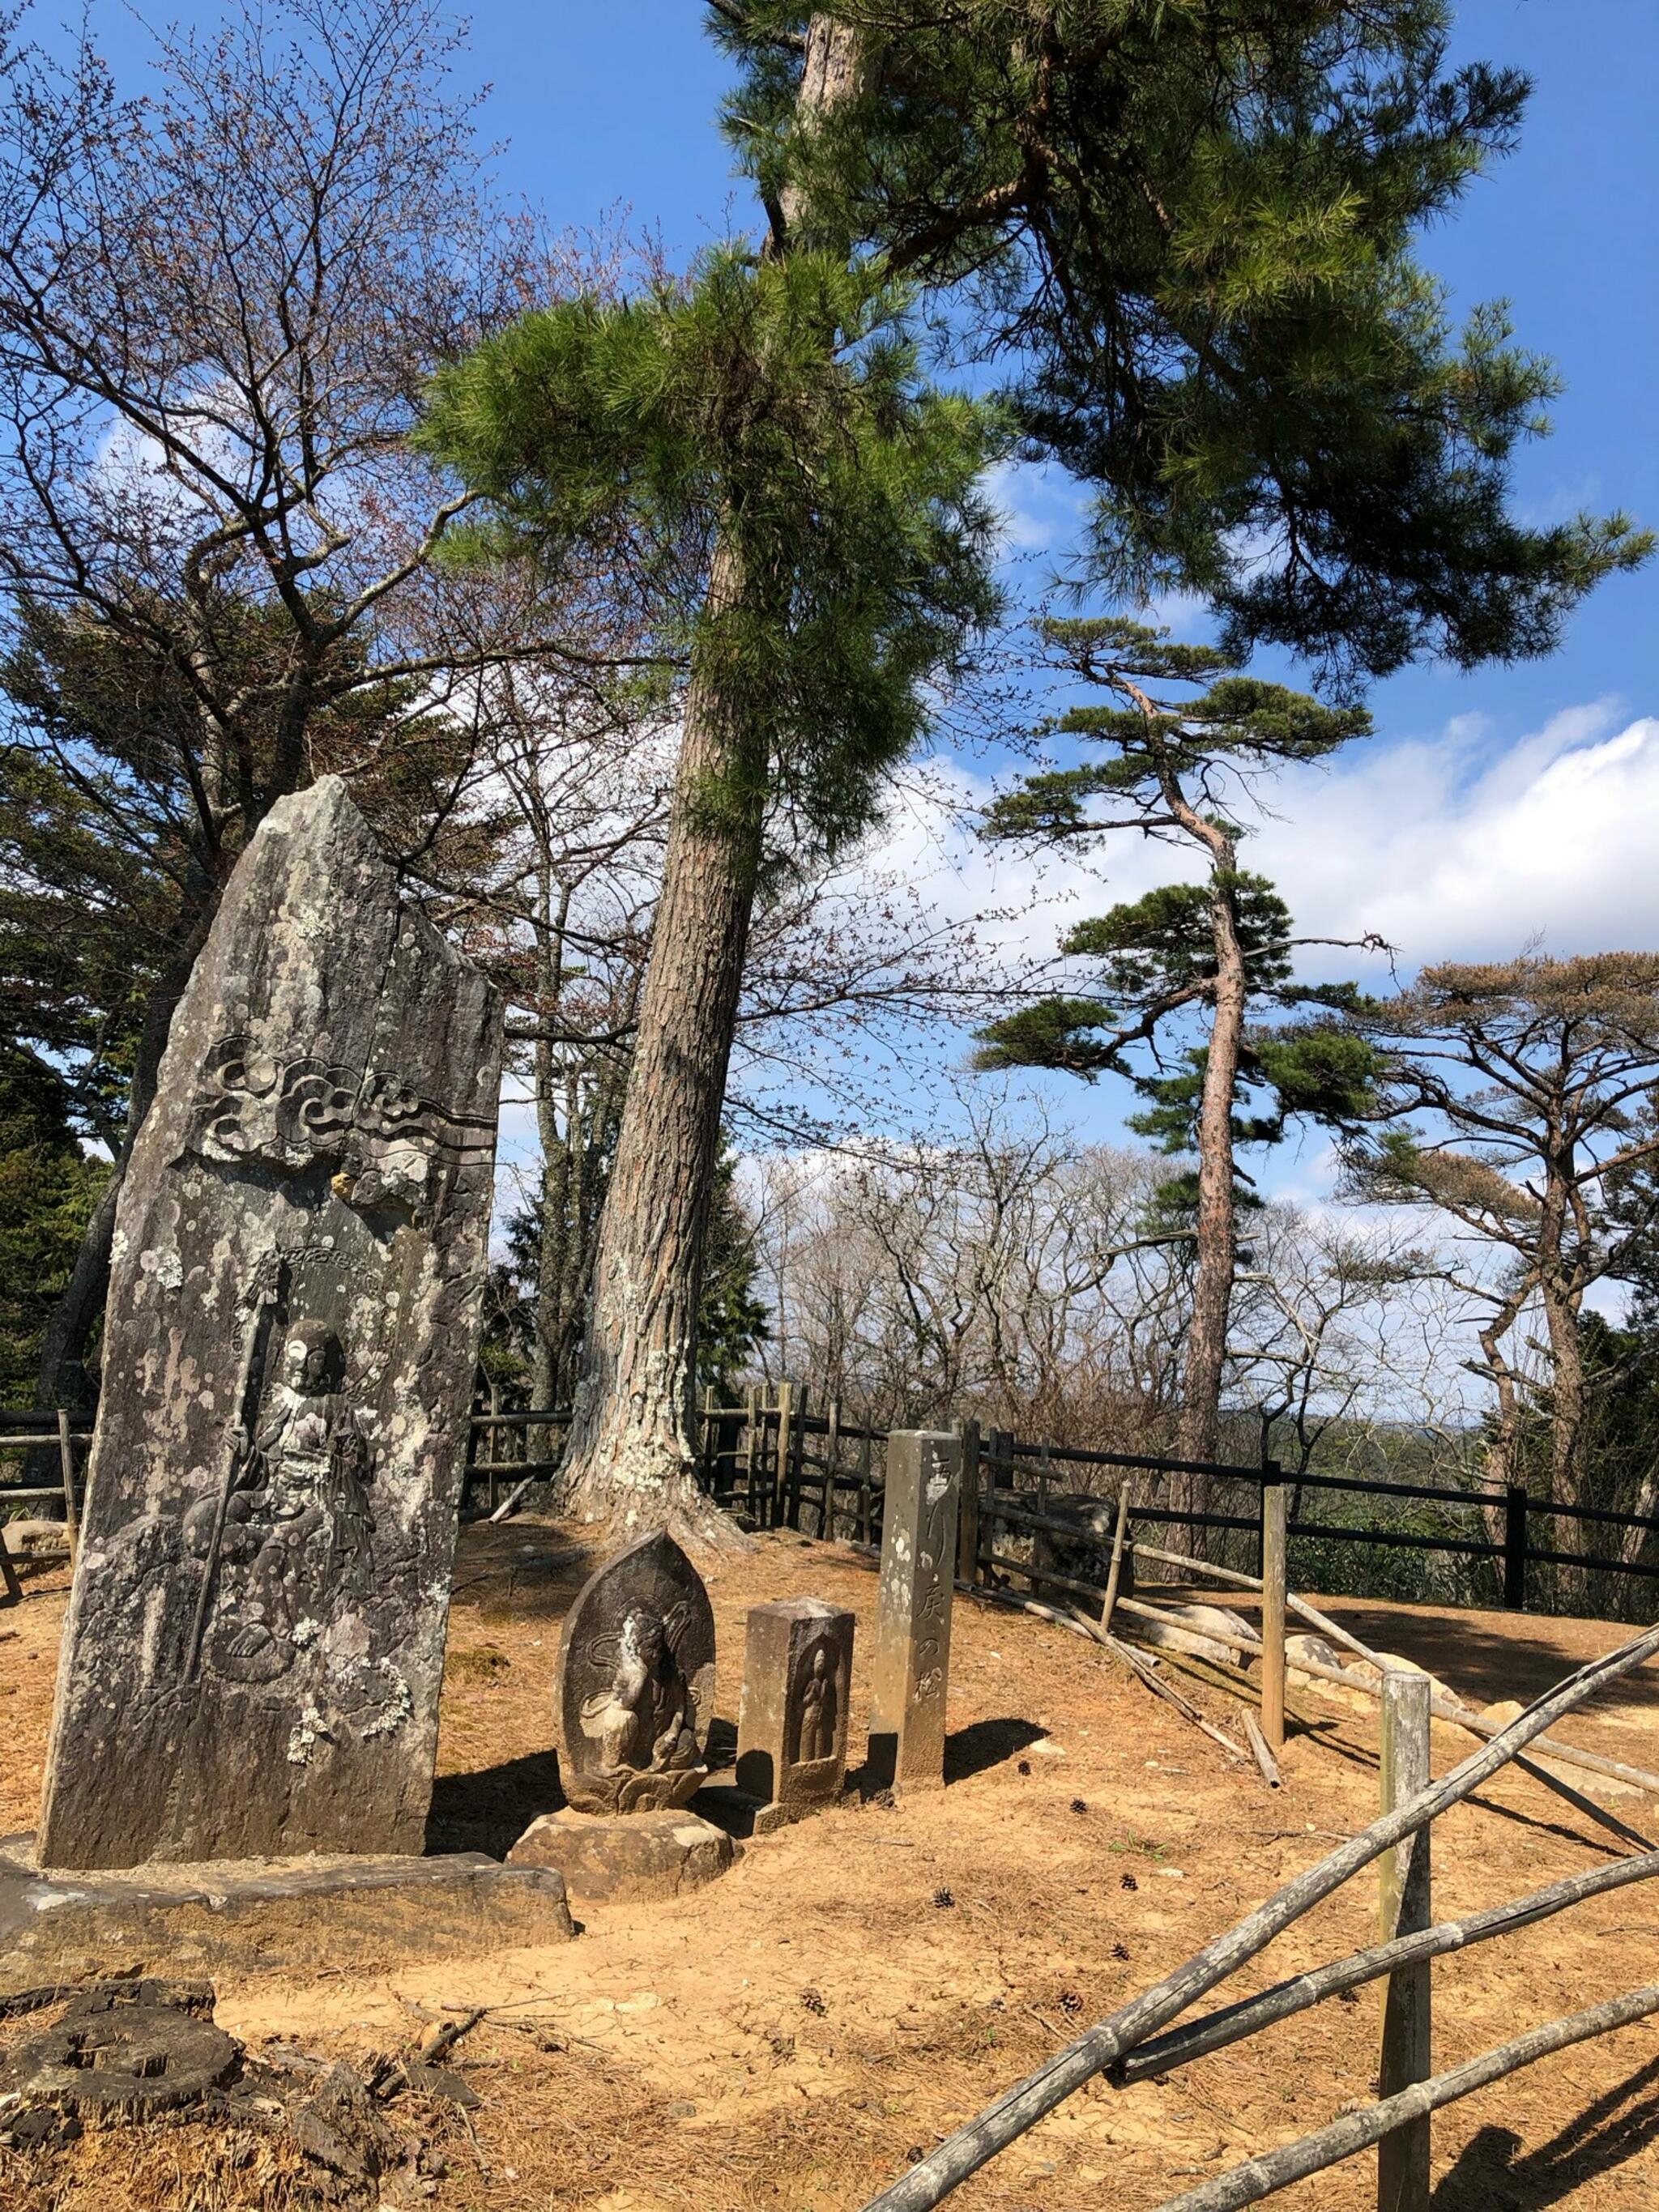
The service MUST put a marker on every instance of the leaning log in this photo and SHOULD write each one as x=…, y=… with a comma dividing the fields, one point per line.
x=1231, y=2024
x=1357, y=2132
x=934, y=2176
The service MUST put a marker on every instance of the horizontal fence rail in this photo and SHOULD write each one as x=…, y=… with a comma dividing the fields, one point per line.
x=781, y=1462
x=777, y=1460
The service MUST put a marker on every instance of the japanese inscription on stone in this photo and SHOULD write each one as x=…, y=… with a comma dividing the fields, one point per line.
x=792, y=1723
x=635, y=1682
x=255, y=1638
x=912, y=1663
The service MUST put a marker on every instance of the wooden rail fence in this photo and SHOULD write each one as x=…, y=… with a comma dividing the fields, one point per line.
x=1140, y=2040
x=781, y=1461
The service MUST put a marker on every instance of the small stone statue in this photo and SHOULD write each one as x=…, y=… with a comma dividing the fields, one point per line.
x=818, y=1703
x=646, y=1720
x=636, y=1672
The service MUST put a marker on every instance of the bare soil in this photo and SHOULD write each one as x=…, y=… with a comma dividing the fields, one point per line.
x=793, y=2035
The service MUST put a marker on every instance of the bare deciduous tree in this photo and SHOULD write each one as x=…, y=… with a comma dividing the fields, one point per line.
x=219, y=303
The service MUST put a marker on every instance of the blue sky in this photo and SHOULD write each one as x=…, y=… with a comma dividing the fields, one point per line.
x=612, y=106
x=1491, y=807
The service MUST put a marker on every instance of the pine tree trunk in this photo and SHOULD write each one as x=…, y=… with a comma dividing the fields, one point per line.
x=630, y=1463
x=1199, y=1433
x=631, y=1459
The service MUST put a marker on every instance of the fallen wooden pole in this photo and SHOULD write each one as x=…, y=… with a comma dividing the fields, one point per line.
x=1183, y=1704
x=1242, y=1640
x=510, y=1505
x=1264, y=1758
x=1001, y=2122
x=1592, y=1762
x=1300, y=1606
x=1277, y=2169
x=1079, y=1625
x=1231, y=2024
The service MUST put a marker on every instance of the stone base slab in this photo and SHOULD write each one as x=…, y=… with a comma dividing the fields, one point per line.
x=741, y=1814
x=253, y=1916
x=610, y=1856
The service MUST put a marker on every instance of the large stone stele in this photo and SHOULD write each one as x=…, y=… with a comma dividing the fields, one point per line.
x=255, y=1638
x=635, y=1682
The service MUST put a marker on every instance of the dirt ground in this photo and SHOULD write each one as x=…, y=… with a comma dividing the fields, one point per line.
x=794, y=2034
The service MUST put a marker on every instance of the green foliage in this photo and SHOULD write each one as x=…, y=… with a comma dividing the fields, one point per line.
x=94, y=851
x=773, y=407
x=1160, y=956
x=1057, y=1033
x=47, y=1190
x=731, y=1319
x=1191, y=227
x=1162, y=945
x=111, y=855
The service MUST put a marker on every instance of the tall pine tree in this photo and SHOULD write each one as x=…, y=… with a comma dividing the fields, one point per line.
x=1208, y=958
x=1188, y=231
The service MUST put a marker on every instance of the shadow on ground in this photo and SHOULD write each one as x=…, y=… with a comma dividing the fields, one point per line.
x=985, y=1743
x=490, y=1810
x=1495, y=2175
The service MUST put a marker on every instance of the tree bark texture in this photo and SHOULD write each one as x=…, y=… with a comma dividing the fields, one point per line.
x=1213, y=1288
x=631, y=1460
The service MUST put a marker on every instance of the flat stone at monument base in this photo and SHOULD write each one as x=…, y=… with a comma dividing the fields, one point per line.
x=626, y=1855
x=251, y=1915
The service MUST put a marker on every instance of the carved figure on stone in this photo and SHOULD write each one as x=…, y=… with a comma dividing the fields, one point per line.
x=645, y=1721
x=791, y=1722
x=293, y=1535
x=820, y=1706
x=636, y=1667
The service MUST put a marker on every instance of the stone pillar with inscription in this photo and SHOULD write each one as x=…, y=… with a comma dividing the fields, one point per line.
x=255, y=1640
x=792, y=1721
x=913, y=1620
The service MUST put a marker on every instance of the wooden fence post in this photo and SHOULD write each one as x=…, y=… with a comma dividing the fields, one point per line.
x=998, y=1459
x=493, y=1448
x=968, y=1519
x=1403, y=1885
x=1275, y=1502
x=750, y=1406
x=1515, y=1548
x=780, y=1464
x=66, y=1461
x=831, y=1468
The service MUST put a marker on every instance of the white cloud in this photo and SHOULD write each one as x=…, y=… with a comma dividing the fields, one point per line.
x=1042, y=508
x=1452, y=853
x=1443, y=846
